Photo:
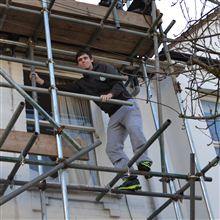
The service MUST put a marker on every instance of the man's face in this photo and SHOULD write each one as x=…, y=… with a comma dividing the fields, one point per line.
x=85, y=62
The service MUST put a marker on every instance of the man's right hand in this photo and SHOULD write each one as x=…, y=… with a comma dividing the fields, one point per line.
x=105, y=98
x=39, y=80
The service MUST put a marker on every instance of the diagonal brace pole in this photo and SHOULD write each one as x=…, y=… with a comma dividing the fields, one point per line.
x=99, y=28
x=11, y=123
x=135, y=157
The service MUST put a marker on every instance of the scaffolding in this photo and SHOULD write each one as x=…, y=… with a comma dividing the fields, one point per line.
x=154, y=38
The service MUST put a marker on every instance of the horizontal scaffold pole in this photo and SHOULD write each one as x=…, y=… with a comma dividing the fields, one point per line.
x=69, y=94
x=53, y=170
x=39, y=108
x=61, y=67
x=11, y=123
x=101, y=168
x=73, y=53
x=136, y=156
x=101, y=189
x=70, y=53
x=67, y=126
x=77, y=21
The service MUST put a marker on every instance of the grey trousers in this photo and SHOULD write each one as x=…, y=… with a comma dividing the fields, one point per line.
x=126, y=121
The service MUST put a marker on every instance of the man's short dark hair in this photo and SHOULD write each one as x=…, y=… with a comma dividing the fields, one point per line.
x=82, y=52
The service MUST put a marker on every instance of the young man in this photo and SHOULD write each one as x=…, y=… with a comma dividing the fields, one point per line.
x=124, y=120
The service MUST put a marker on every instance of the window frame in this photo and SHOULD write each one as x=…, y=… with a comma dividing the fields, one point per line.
x=91, y=155
x=209, y=99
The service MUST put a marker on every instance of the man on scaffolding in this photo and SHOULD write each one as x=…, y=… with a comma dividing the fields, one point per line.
x=124, y=120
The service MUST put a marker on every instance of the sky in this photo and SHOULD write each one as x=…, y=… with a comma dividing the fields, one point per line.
x=170, y=12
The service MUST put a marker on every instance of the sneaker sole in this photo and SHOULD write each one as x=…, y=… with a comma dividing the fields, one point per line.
x=131, y=188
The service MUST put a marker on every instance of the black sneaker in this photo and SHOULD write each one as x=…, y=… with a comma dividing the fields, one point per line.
x=145, y=165
x=130, y=183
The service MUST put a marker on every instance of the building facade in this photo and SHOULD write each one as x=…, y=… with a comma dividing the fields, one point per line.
x=85, y=123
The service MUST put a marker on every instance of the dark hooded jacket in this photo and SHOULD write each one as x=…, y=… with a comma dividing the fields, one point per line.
x=97, y=86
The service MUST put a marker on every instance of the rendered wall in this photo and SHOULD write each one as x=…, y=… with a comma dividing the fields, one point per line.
x=9, y=98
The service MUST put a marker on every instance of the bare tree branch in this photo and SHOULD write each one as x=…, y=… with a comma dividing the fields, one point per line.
x=214, y=70
x=200, y=117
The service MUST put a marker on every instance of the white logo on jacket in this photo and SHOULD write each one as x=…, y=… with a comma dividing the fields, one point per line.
x=102, y=78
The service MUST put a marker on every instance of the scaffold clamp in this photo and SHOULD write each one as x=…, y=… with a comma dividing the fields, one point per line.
x=178, y=197
x=59, y=130
x=62, y=160
x=129, y=173
x=22, y=159
x=50, y=60
x=44, y=9
x=43, y=185
x=193, y=177
x=12, y=183
x=52, y=87
x=166, y=179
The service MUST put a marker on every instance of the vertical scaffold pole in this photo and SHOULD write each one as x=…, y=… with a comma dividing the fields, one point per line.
x=55, y=106
x=160, y=116
x=37, y=129
x=148, y=96
x=146, y=80
x=192, y=186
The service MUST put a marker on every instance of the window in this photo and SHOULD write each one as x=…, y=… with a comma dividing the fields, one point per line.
x=213, y=124
x=73, y=111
